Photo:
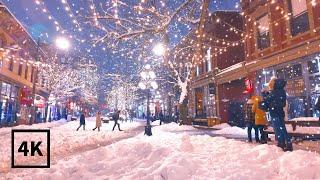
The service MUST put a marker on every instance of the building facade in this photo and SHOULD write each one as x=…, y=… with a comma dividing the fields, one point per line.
x=222, y=48
x=17, y=70
x=283, y=40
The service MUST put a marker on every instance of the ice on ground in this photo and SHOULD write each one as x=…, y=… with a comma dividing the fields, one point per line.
x=171, y=155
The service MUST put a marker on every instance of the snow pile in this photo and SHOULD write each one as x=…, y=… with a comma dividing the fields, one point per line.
x=65, y=140
x=305, y=119
x=233, y=130
x=169, y=155
x=221, y=126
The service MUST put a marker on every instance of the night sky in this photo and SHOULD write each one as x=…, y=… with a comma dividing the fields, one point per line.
x=42, y=17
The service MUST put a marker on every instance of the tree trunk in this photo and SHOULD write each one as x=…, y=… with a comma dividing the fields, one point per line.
x=183, y=113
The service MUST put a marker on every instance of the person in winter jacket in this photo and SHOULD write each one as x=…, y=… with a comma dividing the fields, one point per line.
x=249, y=119
x=274, y=102
x=98, y=121
x=115, y=118
x=318, y=105
x=260, y=117
x=161, y=117
x=82, y=121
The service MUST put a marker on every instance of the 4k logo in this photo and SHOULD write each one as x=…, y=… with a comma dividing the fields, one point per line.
x=24, y=148
x=30, y=148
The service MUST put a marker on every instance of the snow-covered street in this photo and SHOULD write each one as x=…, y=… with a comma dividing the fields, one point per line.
x=173, y=152
x=66, y=141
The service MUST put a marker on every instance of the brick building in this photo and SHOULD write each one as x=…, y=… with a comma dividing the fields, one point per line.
x=17, y=70
x=212, y=94
x=283, y=40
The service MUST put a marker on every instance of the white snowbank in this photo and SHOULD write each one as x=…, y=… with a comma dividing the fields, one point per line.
x=65, y=140
x=305, y=119
x=170, y=155
x=221, y=126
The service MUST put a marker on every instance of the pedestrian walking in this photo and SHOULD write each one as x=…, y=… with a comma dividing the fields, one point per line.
x=98, y=121
x=143, y=116
x=261, y=121
x=82, y=121
x=161, y=117
x=115, y=118
x=249, y=119
x=275, y=102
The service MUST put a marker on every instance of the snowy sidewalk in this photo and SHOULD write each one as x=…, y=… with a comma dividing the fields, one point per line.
x=171, y=155
x=66, y=141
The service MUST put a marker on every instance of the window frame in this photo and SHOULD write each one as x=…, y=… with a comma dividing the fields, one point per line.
x=298, y=20
x=260, y=35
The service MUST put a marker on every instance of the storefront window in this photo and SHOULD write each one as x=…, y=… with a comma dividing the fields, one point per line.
x=315, y=83
x=8, y=103
x=199, y=97
x=5, y=89
x=290, y=72
x=314, y=65
x=294, y=71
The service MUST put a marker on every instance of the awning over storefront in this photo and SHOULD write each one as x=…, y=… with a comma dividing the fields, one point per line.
x=235, y=72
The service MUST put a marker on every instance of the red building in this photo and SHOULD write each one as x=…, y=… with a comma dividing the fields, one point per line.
x=283, y=39
x=222, y=50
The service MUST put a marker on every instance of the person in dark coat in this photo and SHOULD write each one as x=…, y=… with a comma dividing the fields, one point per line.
x=161, y=117
x=274, y=102
x=82, y=121
x=115, y=118
x=249, y=119
x=318, y=106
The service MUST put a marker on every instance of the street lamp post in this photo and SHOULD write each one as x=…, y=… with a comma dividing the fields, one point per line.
x=148, y=83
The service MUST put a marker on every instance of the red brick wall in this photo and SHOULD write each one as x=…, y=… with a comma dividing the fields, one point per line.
x=279, y=25
x=233, y=92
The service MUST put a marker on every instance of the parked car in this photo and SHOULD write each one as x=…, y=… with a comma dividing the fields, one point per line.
x=108, y=117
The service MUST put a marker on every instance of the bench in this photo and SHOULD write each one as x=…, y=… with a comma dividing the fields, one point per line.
x=207, y=122
x=200, y=122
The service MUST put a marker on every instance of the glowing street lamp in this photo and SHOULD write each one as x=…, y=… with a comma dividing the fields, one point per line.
x=62, y=43
x=159, y=49
x=148, y=82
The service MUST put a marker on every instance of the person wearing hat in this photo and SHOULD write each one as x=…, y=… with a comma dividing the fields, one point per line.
x=249, y=119
x=261, y=121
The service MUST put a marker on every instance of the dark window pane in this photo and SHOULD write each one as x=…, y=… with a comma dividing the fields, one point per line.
x=263, y=40
x=299, y=16
x=281, y=73
x=26, y=72
x=263, y=35
x=313, y=66
x=20, y=70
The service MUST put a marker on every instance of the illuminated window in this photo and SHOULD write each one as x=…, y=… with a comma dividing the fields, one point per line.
x=263, y=36
x=299, y=16
x=208, y=60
